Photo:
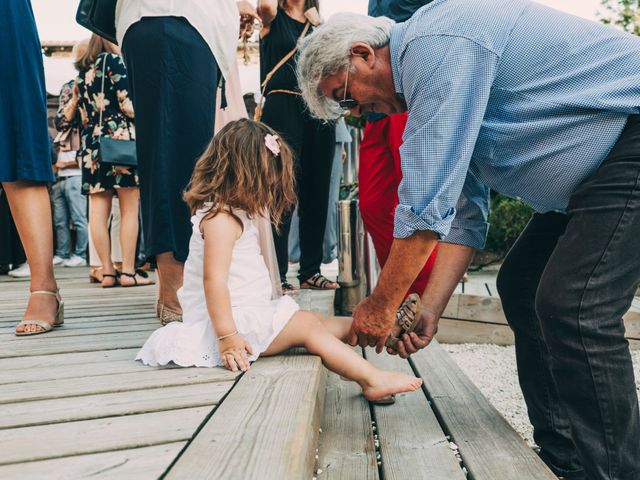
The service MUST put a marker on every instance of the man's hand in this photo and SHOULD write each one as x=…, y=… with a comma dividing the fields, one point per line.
x=372, y=322
x=420, y=338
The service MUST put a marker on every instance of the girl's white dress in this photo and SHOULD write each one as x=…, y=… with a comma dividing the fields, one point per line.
x=259, y=319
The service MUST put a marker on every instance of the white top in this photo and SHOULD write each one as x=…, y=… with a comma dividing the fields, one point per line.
x=217, y=21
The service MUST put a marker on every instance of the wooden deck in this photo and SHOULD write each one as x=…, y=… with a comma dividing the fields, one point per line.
x=74, y=404
x=475, y=315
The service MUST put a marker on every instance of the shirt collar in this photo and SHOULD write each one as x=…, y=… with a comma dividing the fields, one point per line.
x=395, y=40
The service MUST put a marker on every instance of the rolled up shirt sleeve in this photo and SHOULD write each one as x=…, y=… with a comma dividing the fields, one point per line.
x=446, y=82
x=470, y=226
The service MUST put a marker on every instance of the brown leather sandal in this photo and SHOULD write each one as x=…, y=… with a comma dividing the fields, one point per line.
x=406, y=319
x=318, y=282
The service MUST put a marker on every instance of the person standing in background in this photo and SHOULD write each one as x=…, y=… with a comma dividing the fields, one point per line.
x=379, y=173
x=25, y=160
x=68, y=201
x=313, y=142
x=176, y=54
x=101, y=94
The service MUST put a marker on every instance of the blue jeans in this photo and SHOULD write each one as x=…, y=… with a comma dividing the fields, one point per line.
x=69, y=203
x=330, y=241
x=564, y=286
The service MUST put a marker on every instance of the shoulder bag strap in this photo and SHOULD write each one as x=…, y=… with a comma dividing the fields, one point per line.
x=104, y=74
x=284, y=59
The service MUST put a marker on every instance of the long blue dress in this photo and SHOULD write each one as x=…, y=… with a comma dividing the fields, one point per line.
x=24, y=138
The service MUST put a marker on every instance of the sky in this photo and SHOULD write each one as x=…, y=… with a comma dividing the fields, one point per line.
x=56, y=21
x=56, y=18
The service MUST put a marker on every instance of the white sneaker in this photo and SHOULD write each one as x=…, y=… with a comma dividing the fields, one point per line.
x=58, y=260
x=75, y=261
x=23, y=271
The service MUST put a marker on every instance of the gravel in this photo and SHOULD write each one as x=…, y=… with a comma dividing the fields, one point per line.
x=493, y=369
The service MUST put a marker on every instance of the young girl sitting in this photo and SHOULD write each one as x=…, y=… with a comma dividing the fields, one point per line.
x=229, y=317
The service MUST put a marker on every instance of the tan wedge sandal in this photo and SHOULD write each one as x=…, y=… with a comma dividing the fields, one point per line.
x=46, y=326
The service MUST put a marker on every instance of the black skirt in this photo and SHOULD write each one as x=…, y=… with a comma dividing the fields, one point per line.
x=173, y=78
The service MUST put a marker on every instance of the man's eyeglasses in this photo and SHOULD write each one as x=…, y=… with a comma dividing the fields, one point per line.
x=347, y=103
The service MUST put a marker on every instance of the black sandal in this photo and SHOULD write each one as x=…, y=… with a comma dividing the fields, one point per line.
x=318, y=282
x=287, y=288
x=135, y=280
x=109, y=275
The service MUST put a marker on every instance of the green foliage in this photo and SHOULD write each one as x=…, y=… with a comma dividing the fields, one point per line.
x=356, y=122
x=622, y=13
x=507, y=217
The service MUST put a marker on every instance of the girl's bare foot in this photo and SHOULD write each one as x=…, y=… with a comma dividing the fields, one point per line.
x=389, y=383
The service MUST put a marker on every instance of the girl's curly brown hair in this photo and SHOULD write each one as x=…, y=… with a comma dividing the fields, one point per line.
x=237, y=171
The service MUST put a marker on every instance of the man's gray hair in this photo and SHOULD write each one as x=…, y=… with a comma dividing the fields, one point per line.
x=328, y=50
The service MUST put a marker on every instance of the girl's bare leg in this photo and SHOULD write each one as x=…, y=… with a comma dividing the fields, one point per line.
x=306, y=329
x=31, y=210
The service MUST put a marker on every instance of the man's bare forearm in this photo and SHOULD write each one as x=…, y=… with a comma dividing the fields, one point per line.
x=406, y=259
x=451, y=263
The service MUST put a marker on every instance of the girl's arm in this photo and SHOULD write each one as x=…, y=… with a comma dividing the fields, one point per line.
x=267, y=11
x=220, y=234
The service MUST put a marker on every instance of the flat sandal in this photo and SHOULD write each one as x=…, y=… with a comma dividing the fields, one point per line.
x=318, y=282
x=135, y=280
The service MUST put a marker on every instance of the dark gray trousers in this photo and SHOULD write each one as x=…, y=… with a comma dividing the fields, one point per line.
x=564, y=286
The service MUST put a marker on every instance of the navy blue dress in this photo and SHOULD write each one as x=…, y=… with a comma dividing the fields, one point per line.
x=24, y=138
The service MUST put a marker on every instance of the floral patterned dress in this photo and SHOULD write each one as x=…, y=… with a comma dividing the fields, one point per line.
x=117, y=122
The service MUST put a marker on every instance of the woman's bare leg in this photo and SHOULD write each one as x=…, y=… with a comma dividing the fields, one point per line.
x=99, y=213
x=31, y=211
x=170, y=273
x=305, y=329
x=129, y=207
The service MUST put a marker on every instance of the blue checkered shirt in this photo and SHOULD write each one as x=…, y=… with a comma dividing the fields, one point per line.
x=505, y=95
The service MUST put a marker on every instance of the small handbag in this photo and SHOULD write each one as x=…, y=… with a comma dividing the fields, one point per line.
x=113, y=151
x=68, y=140
x=98, y=16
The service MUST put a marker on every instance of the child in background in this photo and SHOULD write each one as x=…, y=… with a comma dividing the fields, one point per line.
x=229, y=316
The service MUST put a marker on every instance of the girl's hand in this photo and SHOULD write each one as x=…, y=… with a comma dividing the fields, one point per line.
x=233, y=352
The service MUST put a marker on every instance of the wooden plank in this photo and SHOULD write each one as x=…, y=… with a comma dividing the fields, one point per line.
x=44, y=442
x=72, y=311
x=475, y=307
x=465, y=331
x=267, y=427
x=32, y=346
x=60, y=372
x=41, y=362
x=68, y=331
x=489, y=310
x=70, y=409
x=124, y=382
x=411, y=439
x=489, y=446
x=346, y=447
x=90, y=316
x=91, y=323
x=147, y=463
